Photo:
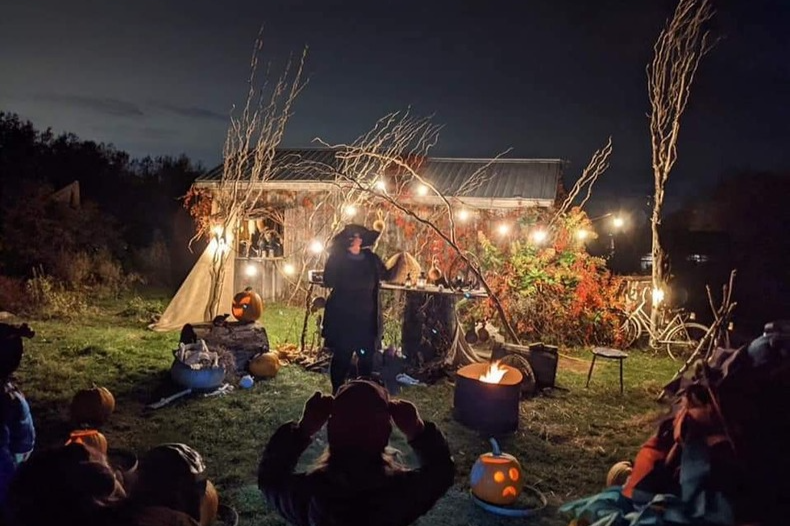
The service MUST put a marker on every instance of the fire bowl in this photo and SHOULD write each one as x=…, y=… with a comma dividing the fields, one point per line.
x=491, y=408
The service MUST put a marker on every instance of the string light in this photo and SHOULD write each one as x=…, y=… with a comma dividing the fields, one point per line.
x=250, y=270
x=618, y=222
x=316, y=247
x=422, y=190
x=463, y=214
x=582, y=234
x=350, y=210
x=658, y=296
x=381, y=185
x=539, y=236
x=503, y=229
x=289, y=269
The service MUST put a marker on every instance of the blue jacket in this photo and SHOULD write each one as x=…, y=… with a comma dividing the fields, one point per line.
x=17, y=433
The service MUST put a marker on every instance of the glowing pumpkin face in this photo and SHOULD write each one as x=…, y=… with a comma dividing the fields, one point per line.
x=496, y=477
x=247, y=305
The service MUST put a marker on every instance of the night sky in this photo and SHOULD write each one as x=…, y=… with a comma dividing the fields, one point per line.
x=547, y=78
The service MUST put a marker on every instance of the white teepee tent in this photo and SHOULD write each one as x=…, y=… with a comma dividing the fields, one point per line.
x=189, y=305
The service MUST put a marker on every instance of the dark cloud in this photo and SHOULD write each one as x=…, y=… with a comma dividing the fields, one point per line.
x=105, y=105
x=190, y=111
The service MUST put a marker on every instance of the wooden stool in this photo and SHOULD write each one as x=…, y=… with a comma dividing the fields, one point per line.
x=609, y=354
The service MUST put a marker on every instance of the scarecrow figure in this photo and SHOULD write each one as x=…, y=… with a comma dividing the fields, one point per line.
x=356, y=481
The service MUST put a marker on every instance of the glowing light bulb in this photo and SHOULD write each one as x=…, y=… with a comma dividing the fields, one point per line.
x=582, y=234
x=350, y=210
x=422, y=190
x=503, y=229
x=381, y=185
x=540, y=236
x=316, y=247
x=618, y=222
x=250, y=270
x=289, y=269
x=658, y=296
x=463, y=214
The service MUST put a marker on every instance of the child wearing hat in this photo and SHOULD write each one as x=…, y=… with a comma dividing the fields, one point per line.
x=355, y=482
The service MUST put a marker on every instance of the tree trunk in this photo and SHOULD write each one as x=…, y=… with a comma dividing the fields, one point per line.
x=659, y=259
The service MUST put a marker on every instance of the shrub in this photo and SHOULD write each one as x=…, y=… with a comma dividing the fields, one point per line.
x=47, y=298
x=555, y=292
x=143, y=310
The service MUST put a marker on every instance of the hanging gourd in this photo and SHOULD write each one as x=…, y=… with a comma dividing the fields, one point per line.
x=247, y=305
x=318, y=303
x=496, y=477
x=92, y=406
x=435, y=274
x=88, y=437
x=209, y=505
x=264, y=365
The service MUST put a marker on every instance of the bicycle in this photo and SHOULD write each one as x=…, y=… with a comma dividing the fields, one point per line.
x=679, y=334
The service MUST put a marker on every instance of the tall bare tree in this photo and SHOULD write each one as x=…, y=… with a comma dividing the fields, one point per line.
x=249, y=158
x=676, y=56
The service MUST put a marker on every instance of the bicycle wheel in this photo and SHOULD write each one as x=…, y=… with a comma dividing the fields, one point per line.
x=629, y=331
x=683, y=340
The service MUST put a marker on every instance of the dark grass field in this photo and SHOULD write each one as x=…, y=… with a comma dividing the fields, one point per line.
x=567, y=438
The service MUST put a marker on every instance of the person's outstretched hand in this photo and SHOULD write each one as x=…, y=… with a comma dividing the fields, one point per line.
x=406, y=417
x=315, y=413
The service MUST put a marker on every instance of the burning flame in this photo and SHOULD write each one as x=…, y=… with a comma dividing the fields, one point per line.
x=494, y=373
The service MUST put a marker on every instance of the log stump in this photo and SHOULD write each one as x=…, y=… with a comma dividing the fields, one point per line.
x=429, y=325
x=243, y=339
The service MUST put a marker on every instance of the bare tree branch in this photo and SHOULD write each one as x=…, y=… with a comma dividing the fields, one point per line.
x=676, y=56
x=598, y=164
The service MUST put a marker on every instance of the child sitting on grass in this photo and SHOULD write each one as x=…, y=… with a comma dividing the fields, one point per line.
x=17, y=434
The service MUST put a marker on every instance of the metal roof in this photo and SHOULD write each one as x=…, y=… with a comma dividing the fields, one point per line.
x=501, y=178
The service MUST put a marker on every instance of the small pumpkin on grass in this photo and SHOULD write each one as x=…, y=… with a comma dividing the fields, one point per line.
x=247, y=305
x=93, y=406
x=264, y=365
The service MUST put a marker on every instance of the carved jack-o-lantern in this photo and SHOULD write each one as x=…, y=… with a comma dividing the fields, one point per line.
x=496, y=477
x=247, y=305
x=90, y=438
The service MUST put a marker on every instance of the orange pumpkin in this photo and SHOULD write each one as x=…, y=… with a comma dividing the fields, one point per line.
x=209, y=505
x=265, y=365
x=88, y=437
x=92, y=406
x=496, y=477
x=247, y=305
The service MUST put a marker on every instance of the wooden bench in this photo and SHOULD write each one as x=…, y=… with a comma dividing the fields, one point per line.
x=608, y=354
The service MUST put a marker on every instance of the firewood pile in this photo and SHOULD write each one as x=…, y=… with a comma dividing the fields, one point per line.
x=315, y=359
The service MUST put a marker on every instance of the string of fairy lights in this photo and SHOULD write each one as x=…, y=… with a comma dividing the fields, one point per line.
x=221, y=242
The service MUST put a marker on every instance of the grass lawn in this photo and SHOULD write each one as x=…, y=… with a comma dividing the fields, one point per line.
x=566, y=442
